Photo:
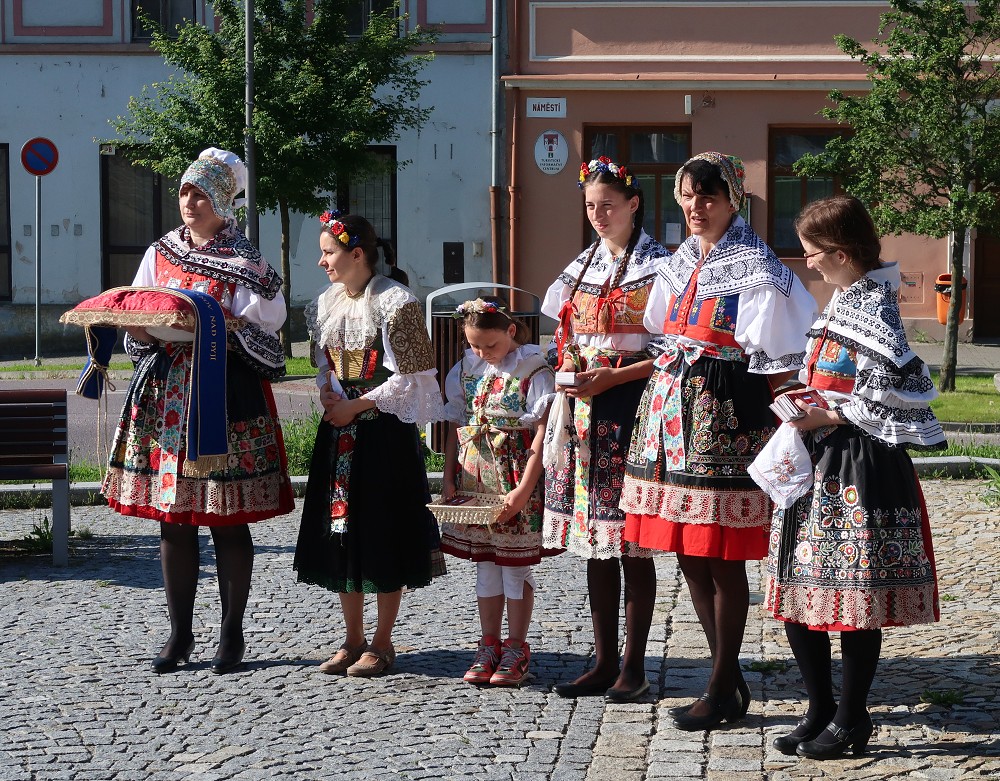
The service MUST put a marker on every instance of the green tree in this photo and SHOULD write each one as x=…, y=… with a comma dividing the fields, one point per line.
x=321, y=97
x=923, y=153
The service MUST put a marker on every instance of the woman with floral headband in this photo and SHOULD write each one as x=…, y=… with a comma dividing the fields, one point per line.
x=361, y=534
x=733, y=317
x=498, y=399
x=150, y=474
x=601, y=346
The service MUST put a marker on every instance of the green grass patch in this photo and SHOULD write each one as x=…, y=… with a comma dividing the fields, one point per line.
x=25, y=368
x=960, y=449
x=299, y=366
x=948, y=598
x=975, y=400
x=943, y=697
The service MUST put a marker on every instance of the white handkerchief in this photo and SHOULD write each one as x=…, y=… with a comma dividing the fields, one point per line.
x=783, y=468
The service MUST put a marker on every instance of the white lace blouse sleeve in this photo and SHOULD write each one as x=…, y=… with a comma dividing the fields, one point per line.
x=771, y=327
x=555, y=297
x=454, y=393
x=541, y=391
x=411, y=393
x=891, y=403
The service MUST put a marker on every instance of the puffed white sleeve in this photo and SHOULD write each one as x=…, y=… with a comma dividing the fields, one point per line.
x=541, y=392
x=552, y=304
x=411, y=393
x=454, y=393
x=891, y=403
x=771, y=327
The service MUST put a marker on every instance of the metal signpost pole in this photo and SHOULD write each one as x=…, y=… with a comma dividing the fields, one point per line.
x=39, y=157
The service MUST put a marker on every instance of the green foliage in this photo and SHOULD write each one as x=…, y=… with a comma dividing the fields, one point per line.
x=922, y=151
x=928, y=129
x=320, y=97
x=766, y=666
x=991, y=496
x=943, y=697
x=299, y=436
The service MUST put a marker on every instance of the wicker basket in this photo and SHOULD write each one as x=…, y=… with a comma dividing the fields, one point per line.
x=468, y=508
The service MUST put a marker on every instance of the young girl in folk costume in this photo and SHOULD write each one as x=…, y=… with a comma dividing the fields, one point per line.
x=599, y=301
x=148, y=475
x=498, y=397
x=365, y=525
x=854, y=553
x=731, y=314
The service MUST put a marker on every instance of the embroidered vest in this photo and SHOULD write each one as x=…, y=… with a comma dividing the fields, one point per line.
x=711, y=320
x=832, y=366
x=172, y=276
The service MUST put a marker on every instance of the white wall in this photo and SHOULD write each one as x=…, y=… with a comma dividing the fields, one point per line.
x=442, y=195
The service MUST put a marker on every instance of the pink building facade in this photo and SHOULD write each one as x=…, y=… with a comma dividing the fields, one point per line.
x=650, y=83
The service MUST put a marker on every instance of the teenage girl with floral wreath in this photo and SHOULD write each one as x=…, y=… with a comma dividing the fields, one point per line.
x=599, y=301
x=497, y=399
x=878, y=569
x=149, y=475
x=365, y=525
x=731, y=314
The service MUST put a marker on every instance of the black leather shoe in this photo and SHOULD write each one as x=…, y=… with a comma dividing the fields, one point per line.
x=727, y=710
x=587, y=689
x=167, y=664
x=804, y=731
x=224, y=664
x=743, y=688
x=833, y=741
x=627, y=695
x=678, y=710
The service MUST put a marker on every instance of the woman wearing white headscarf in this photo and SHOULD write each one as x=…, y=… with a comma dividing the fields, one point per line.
x=151, y=473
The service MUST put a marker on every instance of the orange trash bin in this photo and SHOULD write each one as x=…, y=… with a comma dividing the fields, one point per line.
x=943, y=289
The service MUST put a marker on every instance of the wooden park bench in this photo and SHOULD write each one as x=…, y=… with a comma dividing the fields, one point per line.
x=34, y=446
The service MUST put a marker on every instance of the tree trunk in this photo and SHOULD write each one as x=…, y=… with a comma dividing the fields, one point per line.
x=286, y=276
x=949, y=362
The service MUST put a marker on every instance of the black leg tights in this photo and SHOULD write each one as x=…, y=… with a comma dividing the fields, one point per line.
x=860, y=650
x=640, y=598
x=234, y=561
x=721, y=597
x=812, y=653
x=604, y=589
x=179, y=561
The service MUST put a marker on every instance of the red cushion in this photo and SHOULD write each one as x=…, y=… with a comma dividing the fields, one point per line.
x=133, y=306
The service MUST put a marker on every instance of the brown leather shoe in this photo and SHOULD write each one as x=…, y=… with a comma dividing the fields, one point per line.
x=344, y=658
x=373, y=662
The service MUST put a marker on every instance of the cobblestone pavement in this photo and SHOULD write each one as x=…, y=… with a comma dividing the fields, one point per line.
x=77, y=700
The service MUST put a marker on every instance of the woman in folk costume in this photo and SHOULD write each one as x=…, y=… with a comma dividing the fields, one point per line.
x=365, y=524
x=599, y=301
x=150, y=474
x=732, y=315
x=853, y=554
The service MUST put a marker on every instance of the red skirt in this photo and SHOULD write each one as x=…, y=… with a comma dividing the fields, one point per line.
x=710, y=540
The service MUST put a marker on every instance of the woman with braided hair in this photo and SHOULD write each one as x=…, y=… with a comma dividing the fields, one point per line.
x=599, y=301
x=732, y=316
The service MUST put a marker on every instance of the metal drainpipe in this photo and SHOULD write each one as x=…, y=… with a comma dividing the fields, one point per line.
x=496, y=152
x=514, y=243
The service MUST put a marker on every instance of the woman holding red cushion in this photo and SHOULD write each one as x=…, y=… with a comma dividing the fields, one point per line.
x=149, y=474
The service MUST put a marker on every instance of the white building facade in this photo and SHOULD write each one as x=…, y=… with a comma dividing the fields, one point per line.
x=68, y=66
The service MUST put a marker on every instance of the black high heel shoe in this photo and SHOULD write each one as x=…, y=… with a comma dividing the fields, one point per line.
x=804, y=731
x=729, y=709
x=167, y=664
x=743, y=689
x=227, y=663
x=856, y=738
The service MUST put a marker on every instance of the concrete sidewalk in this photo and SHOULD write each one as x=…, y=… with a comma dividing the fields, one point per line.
x=77, y=700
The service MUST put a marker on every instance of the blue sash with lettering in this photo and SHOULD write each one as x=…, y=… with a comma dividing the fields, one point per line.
x=207, y=428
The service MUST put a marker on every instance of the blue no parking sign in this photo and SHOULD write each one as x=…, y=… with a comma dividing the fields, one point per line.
x=39, y=156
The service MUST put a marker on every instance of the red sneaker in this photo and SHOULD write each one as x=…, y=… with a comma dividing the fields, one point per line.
x=513, y=665
x=485, y=663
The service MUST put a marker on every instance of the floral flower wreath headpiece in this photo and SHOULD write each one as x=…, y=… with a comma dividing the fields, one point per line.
x=331, y=222
x=604, y=165
x=479, y=307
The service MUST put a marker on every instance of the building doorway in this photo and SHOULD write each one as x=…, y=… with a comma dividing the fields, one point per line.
x=986, y=287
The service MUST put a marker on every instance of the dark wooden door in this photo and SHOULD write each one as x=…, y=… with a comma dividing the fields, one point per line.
x=986, y=287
